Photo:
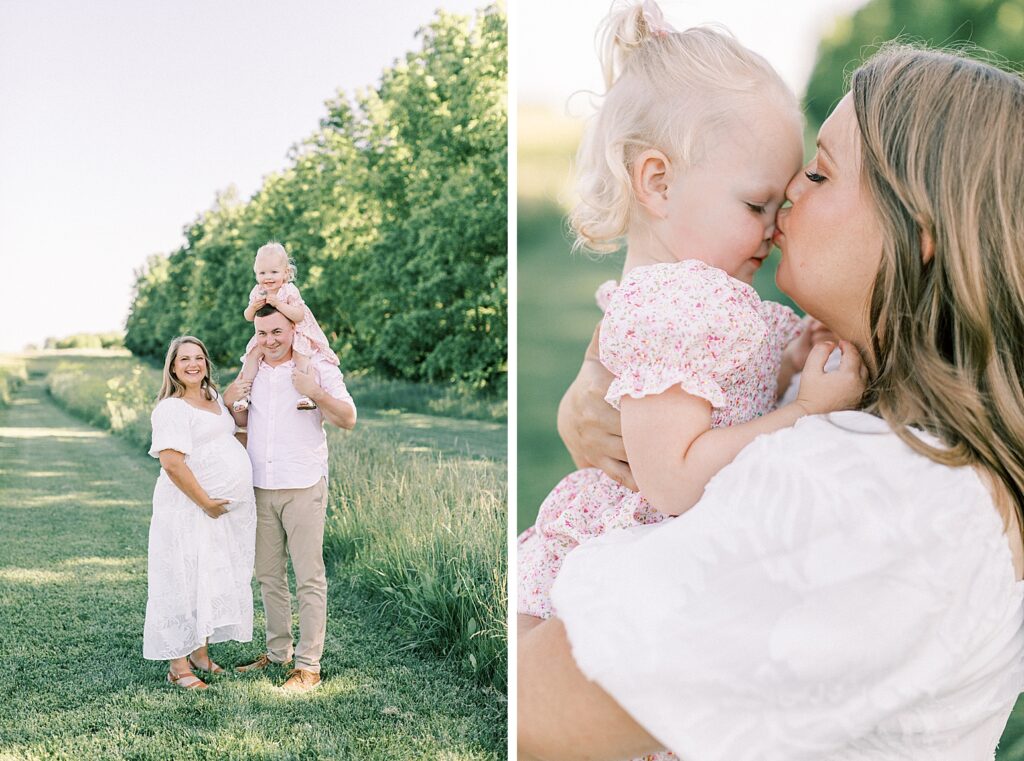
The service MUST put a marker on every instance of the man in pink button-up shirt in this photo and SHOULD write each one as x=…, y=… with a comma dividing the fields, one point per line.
x=288, y=449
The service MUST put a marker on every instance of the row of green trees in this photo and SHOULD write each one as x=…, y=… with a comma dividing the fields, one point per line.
x=110, y=340
x=394, y=211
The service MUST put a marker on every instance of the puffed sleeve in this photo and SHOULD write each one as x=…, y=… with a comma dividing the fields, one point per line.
x=290, y=294
x=254, y=294
x=603, y=295
x=682, y=323
x=806, y=603
x=783, y=323
x=171, y=428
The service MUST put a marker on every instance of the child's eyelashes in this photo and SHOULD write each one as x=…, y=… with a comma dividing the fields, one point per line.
x=757, y=208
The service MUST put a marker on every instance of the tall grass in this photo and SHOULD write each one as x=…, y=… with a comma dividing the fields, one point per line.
x=420, y=533
x=426, y=398
x=425, y=536
x=13, y=373
x=115, y=393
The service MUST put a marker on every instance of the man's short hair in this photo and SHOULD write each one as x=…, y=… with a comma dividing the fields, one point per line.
x=268, y=309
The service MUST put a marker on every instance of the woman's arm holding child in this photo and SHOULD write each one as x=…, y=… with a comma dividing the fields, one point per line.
x=588, y=425
x=674, y=451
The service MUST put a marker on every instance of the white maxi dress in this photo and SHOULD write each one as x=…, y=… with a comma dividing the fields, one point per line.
x=200, y=568
x=834, y=596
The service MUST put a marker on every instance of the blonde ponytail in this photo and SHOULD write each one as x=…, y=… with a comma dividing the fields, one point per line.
x=665, y=90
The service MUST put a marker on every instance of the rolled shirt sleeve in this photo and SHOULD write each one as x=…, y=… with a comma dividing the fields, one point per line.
x=333, y=382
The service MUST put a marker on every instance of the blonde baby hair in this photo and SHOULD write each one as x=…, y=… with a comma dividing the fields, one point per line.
x=664, y=90
x=273, y=248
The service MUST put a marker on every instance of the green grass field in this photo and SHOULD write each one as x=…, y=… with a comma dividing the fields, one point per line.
x=75, y=501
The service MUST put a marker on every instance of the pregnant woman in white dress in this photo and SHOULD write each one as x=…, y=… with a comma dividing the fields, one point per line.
x=203, y=534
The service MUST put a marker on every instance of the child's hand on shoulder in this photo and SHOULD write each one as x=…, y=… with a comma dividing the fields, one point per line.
x=842, y=389
x=814, y=332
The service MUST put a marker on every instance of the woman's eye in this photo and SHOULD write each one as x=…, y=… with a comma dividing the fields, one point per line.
x=815, y=177
x=757, y=208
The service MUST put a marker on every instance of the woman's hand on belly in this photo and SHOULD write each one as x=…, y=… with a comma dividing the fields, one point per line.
x=215, y=508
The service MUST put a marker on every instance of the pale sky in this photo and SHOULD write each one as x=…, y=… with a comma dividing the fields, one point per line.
x=556, y=54
x=121, y=119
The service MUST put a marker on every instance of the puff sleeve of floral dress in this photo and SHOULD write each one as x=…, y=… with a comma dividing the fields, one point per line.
x=310, y=339
x=685, y=324
x=692, y=325
x=834, y=596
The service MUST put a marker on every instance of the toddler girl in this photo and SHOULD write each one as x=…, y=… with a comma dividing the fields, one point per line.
x=688, y=159
x=274, y=275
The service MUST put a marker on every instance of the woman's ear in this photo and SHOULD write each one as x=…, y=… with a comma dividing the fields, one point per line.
x=651, y=177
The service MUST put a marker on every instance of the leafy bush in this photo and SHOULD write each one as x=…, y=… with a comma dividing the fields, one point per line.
x=395, y=213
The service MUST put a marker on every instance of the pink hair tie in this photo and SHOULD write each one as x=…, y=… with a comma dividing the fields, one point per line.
x=655, y=20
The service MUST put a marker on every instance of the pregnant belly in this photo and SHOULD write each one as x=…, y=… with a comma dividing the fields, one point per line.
x=223, y=470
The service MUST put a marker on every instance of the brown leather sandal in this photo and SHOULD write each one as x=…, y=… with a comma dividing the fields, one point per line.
x=186, y=681
x=214, y=668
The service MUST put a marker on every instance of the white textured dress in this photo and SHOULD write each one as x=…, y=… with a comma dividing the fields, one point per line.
x=834, y=596
x=200, y=568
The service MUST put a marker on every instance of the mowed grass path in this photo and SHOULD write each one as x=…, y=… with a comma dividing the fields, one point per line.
x=74, y=511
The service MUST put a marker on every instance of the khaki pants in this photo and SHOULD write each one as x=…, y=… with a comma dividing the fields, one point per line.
x=290, y=523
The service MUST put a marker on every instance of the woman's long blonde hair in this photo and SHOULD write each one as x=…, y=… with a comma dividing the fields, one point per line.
x=665, y=90
x=171, y=386
x=943, y=159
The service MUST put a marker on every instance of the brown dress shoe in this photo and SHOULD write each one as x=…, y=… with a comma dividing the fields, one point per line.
x=300, y=680
x=258, y=665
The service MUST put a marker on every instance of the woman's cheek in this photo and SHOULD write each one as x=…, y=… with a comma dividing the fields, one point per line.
x=782, y=279
x=792, y=272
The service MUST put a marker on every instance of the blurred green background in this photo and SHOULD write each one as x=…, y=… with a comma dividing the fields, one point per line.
x=557, y=313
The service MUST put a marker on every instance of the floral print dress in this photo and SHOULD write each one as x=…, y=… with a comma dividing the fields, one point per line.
x=682, y=323
x=310, y=340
